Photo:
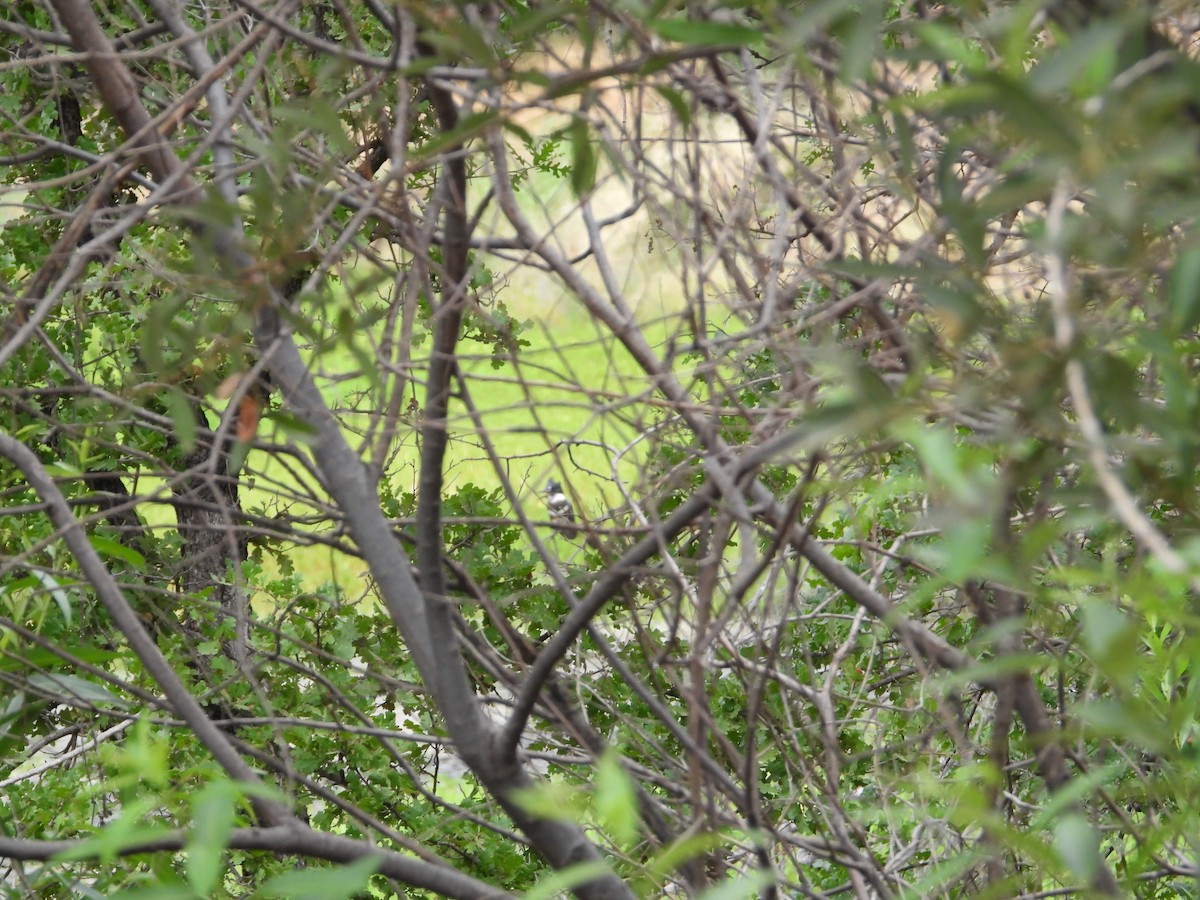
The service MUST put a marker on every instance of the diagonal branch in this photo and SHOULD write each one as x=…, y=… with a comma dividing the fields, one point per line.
x=426, y=628
x=93, y=568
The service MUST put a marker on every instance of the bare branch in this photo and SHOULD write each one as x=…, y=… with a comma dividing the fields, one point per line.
x=283, y=840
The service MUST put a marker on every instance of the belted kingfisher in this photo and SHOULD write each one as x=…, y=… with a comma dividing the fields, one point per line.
x=562, y=513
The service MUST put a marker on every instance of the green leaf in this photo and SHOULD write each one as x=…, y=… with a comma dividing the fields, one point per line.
x=12, y=710
x=583, y=157
x=566, y=879
x=693, y=31
x=1085, y=64
x=1081, y=787
x=179, y=408
x=676, y=854
x=683, y=112
x=111, y=549
x=294, y=427
x=552, y=800
x=56, y=591
x=1183, y=290
x=237, y=457
x=60, y=468
x=860, y=33
x=322, y=884
x=938, y=451
x=944, y=872
x=126, y=831
x=1078, y=845
x=1127, y=721
x=520, y=131
x=970, y=226
x=46, y=658
x=616, y=799
x=468, y=127
x=1111, y=638
x=744, y=886
x=176, y=890
x=991, y=668
x=948, y=44
x=314, y=113
x=214, y=809
x=957, y=310
x=75, y=687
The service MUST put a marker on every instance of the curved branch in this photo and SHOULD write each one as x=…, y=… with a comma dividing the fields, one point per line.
x=495, y=762
x=455, y=696
x=287, y=840
x=615, y=576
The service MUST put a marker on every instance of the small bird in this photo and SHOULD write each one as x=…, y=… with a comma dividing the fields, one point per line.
x=562, y=513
